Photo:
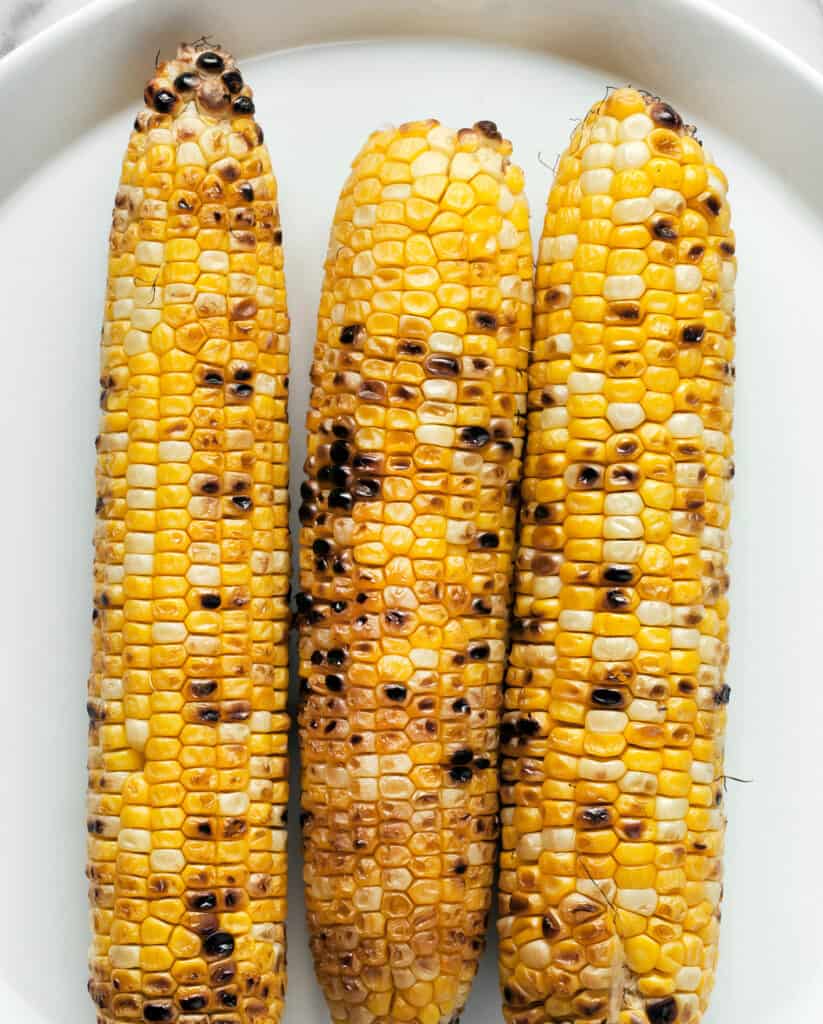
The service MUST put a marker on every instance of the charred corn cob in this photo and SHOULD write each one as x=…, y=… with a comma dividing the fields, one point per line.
x=187, y=737
x=612, y=735
x=414, y=451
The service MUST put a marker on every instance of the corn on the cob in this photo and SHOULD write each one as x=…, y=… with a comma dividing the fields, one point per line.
x=187, y=738
x=612, y=734
x=414, y=452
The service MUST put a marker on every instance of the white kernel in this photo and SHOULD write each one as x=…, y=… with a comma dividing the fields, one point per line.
x=685, y=639
x=687, y=277
x=137, y=733
x=625, y=415
x=368, y=898
x=190, y=153
x=559, y=840
x=168, y=632
x=400, y=190
x=440, y=436
x=715, y=538
x=138, y=565
x=646, y=711
x=233, y=803
x=644, y=783
x=688, y=474
x=441, y=137
x=203, y=575
x=546, y=586
x=600, y=771
x=573, y=621
x=583, y=383
x=631, y=154
x=565, y=246
x=597, y=182
x=463, y=166
x=606, y=721
x=596, y=978
x=605, y=129
x=505, y=201
x=622, y=550
x=728, y=274
x=551, y=419
x=140, y=475
x=491, y=161
x=654, y=613
x=363, y=264
x=137, y=498
x=623, y=286
x=136, y=840
x=430, y=162
x=614, y=648
x=264, y=384
x=702, y=772
x=688, y=979
x=530, y=847
x=232, y=732
x=638, y=901
x=632, y=211
x=114, y=573
x=622, y=527
x=440, y=390
x=139, y=543
x=711, y=650
x=423, y=658
x=684, y=424
x=666, y=200
x=149, y=253
x=535, y=955
x=238, y=440
x=260, y=721
x=111, y=689
x=122, y=309
x=135, y=343
x=561, y=343
x=713, y=890
x=508, y=237
x=174, y=451
x=667, y=808
x=623, y=503
x=598, y=154
x=124, y=957
x=636, y=126
x=364, y=216
x=213, y=261
x=443, y=341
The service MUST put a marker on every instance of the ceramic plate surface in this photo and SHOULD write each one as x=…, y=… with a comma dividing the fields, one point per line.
x=324, y=75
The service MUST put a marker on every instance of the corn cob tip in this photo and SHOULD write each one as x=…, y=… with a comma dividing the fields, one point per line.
x=201, y=74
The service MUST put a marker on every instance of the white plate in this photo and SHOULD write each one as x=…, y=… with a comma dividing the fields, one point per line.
x=69, y=98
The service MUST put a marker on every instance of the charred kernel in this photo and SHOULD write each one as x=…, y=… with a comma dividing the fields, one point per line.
x=336, y=656
x=243, y=105
x=340, y=499
x=617, y=600
x=666, y=116
x=488, y=540
x=588, y=476
x=321, y=547
x=481, y=607
x=595, y=817
x=727, y=248
x=163, y=101
x=366, y=488
x=662, y=1011
x=241, y=390
x=474, y=437
x=693, y=333
x=306, y=513
x=442, y=366
x=723, y=695
x=713, y=204
x=460, y=773
x=187, y=81
x=247, y=192
x=527, y=726
x=339, y=452
x=338, y=607
x=158, y=1012
x=218, y=944
x=233, y=81
x=664, y=229
x=395, y=692
x=606, y=697
x=228, y=998
x=203, y=901
x=242, y=502
x=485, y=321
x=348, y=335
x=617, y=574
x=461, y=868
x=481, y=763
x=334, y=683
x=479, y=651
x=462, y=756
x=212, y=378
x=210, y=61
x=461, y=706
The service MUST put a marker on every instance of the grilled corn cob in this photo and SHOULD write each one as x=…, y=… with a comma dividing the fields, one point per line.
x=414, y=452
x=612, y=734
x=187, y=737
